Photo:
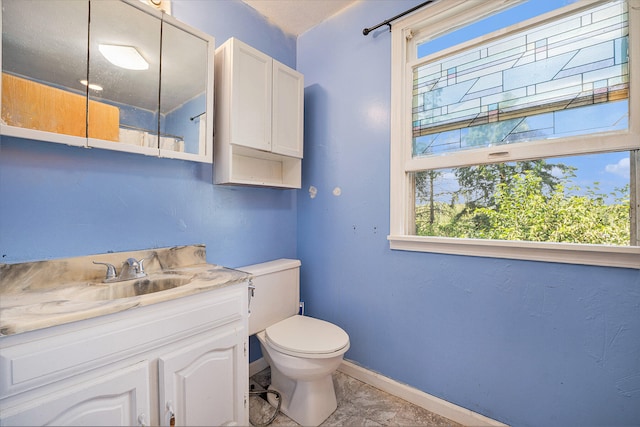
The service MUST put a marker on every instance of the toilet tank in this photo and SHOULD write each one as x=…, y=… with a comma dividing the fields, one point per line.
x=277, y=292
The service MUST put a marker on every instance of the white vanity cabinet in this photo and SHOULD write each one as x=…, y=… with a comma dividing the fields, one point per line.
x=259, y=118
x=182, y=361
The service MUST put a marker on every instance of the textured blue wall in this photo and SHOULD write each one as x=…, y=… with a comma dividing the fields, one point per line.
x=527, y=343
x=58, y=201
x=530, y=344
x=232, y=18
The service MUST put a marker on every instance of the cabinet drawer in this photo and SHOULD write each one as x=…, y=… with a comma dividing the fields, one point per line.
x=71, y=349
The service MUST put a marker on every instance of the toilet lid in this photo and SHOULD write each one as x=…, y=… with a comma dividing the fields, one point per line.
x=302, y=334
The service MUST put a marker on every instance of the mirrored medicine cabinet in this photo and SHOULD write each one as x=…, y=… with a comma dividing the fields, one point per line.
x=111, y=74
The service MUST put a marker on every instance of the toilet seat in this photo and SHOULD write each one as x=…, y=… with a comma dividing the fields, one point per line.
x=307, y=337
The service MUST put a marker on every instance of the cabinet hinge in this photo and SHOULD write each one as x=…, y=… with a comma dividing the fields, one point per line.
x=245, y=348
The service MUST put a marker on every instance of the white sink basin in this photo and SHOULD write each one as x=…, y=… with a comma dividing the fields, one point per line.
x=131, y=288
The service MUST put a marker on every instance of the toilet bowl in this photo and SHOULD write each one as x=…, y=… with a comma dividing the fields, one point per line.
x=303, y=352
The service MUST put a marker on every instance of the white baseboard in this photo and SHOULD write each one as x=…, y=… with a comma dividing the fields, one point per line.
x=257, y=366
x=430, y=403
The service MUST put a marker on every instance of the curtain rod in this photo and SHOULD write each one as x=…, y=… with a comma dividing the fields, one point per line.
x=388, y=21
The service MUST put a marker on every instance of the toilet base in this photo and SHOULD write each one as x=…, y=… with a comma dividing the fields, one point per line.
x=309, y=403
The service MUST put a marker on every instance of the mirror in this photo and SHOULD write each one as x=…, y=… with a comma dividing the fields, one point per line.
x=124, y=69
x=63, y=74
x=44, y=57
x=183, y=93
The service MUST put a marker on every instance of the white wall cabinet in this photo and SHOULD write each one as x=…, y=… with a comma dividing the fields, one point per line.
x=259, y=118
x=182, y=361
x=63, y=88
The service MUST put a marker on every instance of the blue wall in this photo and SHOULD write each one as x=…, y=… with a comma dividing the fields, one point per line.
x=231, y=18
x=527, y=343
x=58, y=201
x=530, y=344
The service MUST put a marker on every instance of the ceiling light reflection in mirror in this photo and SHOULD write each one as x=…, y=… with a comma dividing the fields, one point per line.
x=91, y=85
x=126, y=57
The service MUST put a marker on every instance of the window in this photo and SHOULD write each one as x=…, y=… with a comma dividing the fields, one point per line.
x=520, y=141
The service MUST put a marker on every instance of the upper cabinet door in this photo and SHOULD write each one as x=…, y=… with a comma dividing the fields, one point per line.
x=186, y=93
x=124, y=73
x=288, y=110
x=44, y=62
x=251, y=80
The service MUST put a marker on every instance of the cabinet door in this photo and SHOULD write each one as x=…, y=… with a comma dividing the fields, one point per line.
x=186, y=93
x=288, y=111
x=251, y=77
x=120, y=398
x=205, y=382
x=42, y=66
x=124, y=60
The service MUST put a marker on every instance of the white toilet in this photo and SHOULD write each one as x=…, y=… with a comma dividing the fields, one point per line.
x=303, y=352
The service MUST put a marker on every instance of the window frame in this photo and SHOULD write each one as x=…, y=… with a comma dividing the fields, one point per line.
x=429, y=23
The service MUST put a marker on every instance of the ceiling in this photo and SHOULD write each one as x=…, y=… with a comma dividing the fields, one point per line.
x=297, y=16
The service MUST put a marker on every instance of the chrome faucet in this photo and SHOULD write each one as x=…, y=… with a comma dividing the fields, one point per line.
x=131, y=269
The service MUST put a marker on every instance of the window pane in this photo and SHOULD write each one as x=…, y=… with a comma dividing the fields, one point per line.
x=527, y=86
x=513, y=15
x=579, y=199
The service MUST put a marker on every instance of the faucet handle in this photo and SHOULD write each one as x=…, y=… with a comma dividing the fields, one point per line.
x=111, y=270
x=137, y=265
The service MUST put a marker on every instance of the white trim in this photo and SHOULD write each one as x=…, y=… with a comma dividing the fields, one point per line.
x=400, y=128
x=424, y=400
x=419, y=398
x=41, y=135
x=582, y=144
x=119, y=146
x=257, y=366
x=602, y=255
x=634, y=69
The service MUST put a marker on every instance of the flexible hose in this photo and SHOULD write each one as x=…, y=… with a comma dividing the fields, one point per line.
x=275, y=414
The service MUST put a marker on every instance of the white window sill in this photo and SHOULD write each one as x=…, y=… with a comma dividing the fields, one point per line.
x=611, y=256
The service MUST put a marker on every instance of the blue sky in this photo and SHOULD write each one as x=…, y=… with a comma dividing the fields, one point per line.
x=610, y=170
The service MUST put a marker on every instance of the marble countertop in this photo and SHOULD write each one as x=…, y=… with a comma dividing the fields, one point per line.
x=42, y=294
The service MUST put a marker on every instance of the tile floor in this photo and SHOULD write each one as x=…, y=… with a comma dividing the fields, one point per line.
x=359, y=404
